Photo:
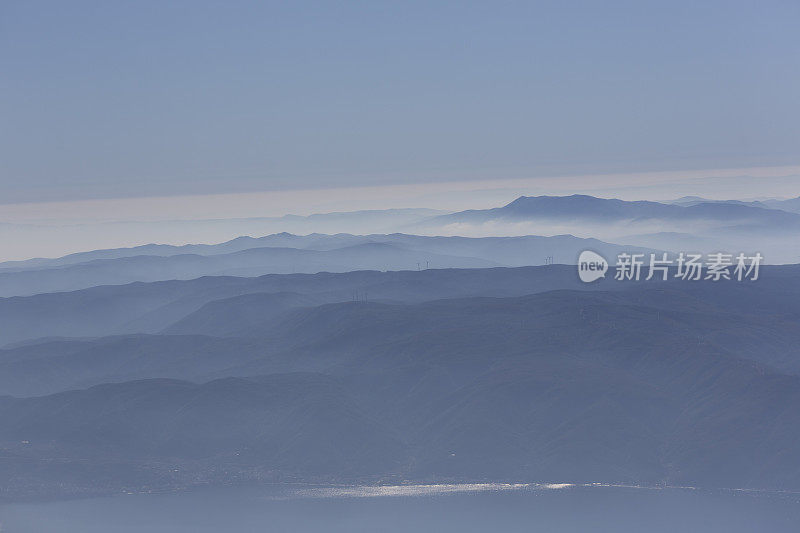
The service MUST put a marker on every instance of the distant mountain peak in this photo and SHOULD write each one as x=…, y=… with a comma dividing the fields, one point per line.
x=547, y=198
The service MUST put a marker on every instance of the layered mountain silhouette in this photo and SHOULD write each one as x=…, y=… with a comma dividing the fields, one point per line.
x=791, y=205
x=343, y=358
x=485, y=374
x=286, y=253
x=152, y=307
x=693, y=225
x=641, y=226
x=583, y=207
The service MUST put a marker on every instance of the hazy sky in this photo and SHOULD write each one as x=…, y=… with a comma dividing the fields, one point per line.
x=117, y=99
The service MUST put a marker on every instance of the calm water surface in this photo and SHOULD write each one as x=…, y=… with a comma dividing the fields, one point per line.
x=439, y=509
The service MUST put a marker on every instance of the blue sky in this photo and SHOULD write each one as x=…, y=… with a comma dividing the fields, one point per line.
x=126, y=99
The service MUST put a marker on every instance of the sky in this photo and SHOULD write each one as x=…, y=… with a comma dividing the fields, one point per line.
x=109, y=100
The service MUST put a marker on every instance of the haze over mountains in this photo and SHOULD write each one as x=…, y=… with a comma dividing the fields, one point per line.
x=287, y=253
x=791, y=205
x=685, y=226
x=151, y=307
x=48, y=237
x=620, y=382
x=583, y=207
x=539, y=227
x=344, y=358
